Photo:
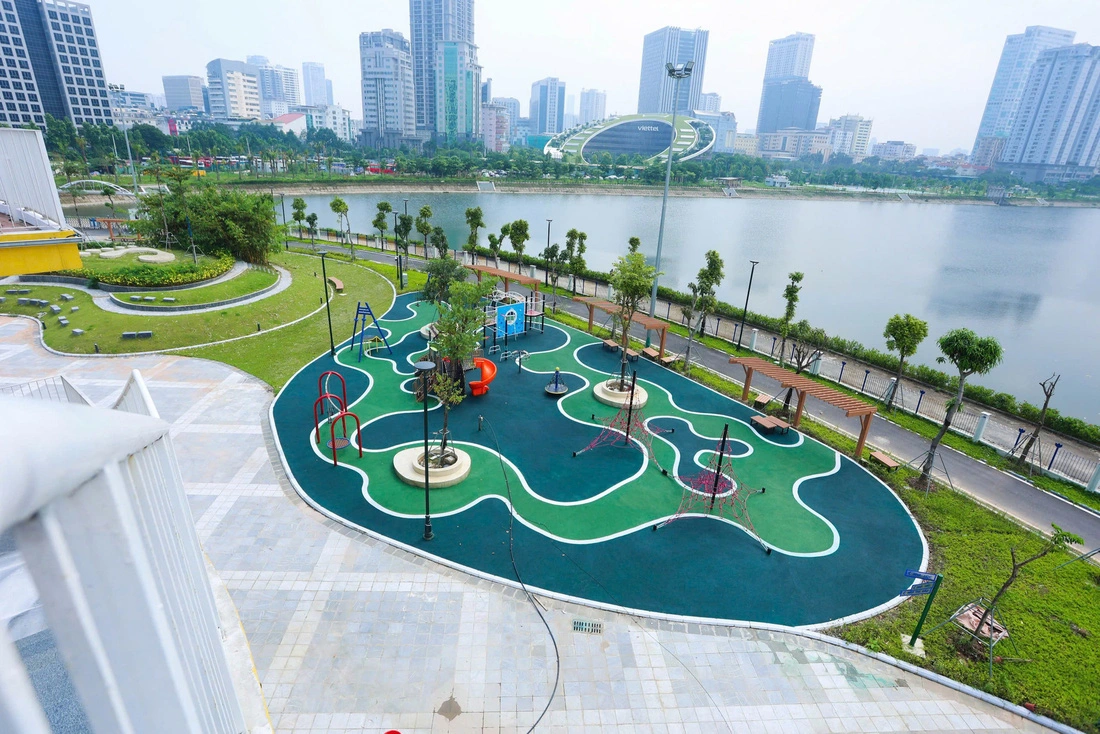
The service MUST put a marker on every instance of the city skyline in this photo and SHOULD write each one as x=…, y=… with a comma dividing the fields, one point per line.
x=933, y=35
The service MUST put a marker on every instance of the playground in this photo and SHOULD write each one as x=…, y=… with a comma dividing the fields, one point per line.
x=700, y=514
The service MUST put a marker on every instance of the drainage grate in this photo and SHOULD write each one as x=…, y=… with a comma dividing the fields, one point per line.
x=588, y=627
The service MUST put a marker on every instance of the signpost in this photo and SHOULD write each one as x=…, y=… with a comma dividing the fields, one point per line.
x=930, y=585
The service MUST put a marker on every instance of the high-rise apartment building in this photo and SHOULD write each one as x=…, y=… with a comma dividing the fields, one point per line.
x=314, y=84
x=788, y=98
x=671, y=45
x=790, y=57
x=1020, y=52
x=487, y=91
x=51, y=64
x=234, y=90
x=894, y=150
x=850, y=135
x=511, y=105
x=593, y=105
x=433, y=22
x=496, y=128
x=457, y=91
x=710, y=102
x=547, y=108
x=183, y=92
x=279, y=86
x=1056, y=134
x=329, y=96
x=389, y=109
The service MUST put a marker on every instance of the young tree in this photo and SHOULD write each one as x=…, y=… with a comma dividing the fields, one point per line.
x=458, y=324
x=971, y=354
x=401, y=232
x=497, y=242
x=903, y=335
x=439, y=241
x=476, y=220
x=633, y=244
x=632, y=279
x=556, y=259
x=380, y=222
x=424, y=225
x=806, y=344
x=703, y=299
x=311, y=220
x=574, y=255
x=443, y=272
x=790, y=295
x=1048, y=386
x=298, y=213
x=339, y=207
x=518, y=234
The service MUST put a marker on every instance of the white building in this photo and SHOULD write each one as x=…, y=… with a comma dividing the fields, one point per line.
x=183, y=92
x=331, y=117
x=790, y=57
x=279, y=86
x=710, y=102
x=792, y=143
x=389, y=109
x=431, y=24
x=656, y=89
x=851, y=136
x=234, y=90
x=593, y=105
x=777, y=181
x=894, y=150
x=511, y=104
x=547, y=110
x=496, y=128
x=1056, y=136
x=746, y=144
x=724, y=125
x=314, y=84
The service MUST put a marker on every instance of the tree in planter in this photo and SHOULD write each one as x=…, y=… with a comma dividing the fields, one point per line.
x=475, y=219
x=311, y=221
x=518, y=234
x=401, y=232
x=298, y=213
x=339, y=207
x=971, y=354
x=790, y=295
x=903, y=335
x=703, y=299
x=632, y=279
x=424, y=224
x=574, y=255
x=439, y=242
x=380, y=222
x=458, y=323
x=1058, y=540
x=1048, y=386
x=806, y=344
x=497, y=242
x=443, y=272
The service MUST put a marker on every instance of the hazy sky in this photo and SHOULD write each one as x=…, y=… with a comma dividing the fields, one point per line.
x=921, y=69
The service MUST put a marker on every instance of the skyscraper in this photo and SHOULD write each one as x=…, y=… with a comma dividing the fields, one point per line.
x=790, y=57
x=182, y=92
x=671, y=45
x=487, y=91
x=313, y=84
x=710, y=102
x=593, y=105
x=234, y=90
x=788, y=98
x=1056, y=134
x=547, y=109
x=329, y=97
x=389, y=111
x=279, y=86
x=457, y=91
x=850, y=135
x=51, y=57
x=431, y=23
x=1020, y=52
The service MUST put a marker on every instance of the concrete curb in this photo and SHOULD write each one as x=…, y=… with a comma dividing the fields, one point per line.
x=200, y=307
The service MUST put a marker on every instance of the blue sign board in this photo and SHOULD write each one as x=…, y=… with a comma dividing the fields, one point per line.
x=922, y=575
x=510, y=318
x=919, y=589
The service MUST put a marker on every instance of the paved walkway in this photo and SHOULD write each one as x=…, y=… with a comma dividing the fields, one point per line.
x=351, y=634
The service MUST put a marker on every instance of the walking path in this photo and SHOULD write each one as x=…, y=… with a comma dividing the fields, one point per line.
x=349, y=633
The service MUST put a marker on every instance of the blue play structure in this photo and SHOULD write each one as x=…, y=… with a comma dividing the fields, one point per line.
x=359, y=330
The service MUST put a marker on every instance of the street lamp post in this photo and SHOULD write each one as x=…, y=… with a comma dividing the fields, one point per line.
x=745, y=312
x=133, y=170
x=397, y=251
x=324, y=284
x=282, y=203
x=548, y=250
x=423, y=369
x=683, y=71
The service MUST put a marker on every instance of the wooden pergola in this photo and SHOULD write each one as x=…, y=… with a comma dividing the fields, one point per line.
x=645, y=321
x=506, y=276
x=852, y=407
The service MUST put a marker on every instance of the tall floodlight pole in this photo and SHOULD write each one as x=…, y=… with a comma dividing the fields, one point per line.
x=745, y=311
x=678, y=73
x=425, y=368
x=133, y=171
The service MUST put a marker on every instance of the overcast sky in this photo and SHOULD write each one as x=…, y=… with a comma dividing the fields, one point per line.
x=920, y=69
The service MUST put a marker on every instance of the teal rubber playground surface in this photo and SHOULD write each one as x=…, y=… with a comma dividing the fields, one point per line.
x=584, y=526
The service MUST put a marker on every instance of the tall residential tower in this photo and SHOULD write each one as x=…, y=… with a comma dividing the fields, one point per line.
x=671, y=45
x=234, y=90
x=593, y=105
x=547, y=108
x=445, y=66
x=389, y=110
x=789, y=99
x=314, y=84
x=183, y=93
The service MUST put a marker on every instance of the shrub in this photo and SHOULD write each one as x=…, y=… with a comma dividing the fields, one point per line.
x=141, y=275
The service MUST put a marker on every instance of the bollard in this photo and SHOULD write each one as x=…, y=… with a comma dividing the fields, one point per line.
x=840, y=380
x=889, y=394
x=1057, y=448
x=752, y=341
x=1019, y=437
x=774, y=340
x=1094, y=483
x=815, y=366
x=718, y=326
x=917, y=411
x=983, y=419
x=668, y=310
x=866, y=374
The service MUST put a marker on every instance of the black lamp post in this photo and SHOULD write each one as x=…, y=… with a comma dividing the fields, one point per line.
x=407, y=236
x=548, y=250
x=282, y=203
x=745, y=312
x=328, y=310
x=423, y=369
x=397, y=251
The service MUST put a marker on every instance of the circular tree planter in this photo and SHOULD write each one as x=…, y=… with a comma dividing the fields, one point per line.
x=428, y=332
x=409, y=466
x=608, y=393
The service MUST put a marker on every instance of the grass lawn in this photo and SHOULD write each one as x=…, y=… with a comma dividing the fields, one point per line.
x=1052, y=614
x=105, y=328
x=274, y=357
x=97, y=266
x=249, y=281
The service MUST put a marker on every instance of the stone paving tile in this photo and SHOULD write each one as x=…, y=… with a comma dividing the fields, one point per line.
x=350, y=634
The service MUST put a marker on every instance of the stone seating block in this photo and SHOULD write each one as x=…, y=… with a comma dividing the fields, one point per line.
x=78, y=332
x=145, y=335
x=129, y=335
x=135, y=298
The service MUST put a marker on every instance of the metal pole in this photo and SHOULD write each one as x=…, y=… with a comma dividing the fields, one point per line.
x=282, y=203
x=664, y=207
x=745, y=311
x=133, y=171
x=425, y=368
x=718, y=469
x=328, y=310
x=630, y=406
x=927, y=606
x=548, y=252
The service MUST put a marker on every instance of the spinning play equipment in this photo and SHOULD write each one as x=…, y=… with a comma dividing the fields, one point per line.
x=359, y=330
x=488, y=374
x=557, y=386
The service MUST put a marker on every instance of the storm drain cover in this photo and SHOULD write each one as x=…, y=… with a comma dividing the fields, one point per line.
x=588, y=627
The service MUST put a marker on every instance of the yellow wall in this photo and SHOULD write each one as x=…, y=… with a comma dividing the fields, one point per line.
x=38, y=259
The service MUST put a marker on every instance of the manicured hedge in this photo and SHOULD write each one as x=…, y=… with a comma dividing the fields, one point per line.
x=153, y=276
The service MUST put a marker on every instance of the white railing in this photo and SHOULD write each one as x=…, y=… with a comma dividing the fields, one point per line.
x=104, y=525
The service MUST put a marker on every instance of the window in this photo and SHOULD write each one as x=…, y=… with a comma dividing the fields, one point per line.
x=20, y=53
x=8, y=95
x=7, y=6
x=7, y=51
x=52, y=14
x=57, y=36
x=17, y=85
x=10, y=62
x=69, y=39
x=4, y=39
x=3, y=116
x=21, y=97
x=81, y=42
x=56, y=26
x=87, y=21
x=10, y=106
x=39, y=118
x=64, y=59
x=64, y=16
x=78, y=31
x=72, y=91
x=24, y=108
x=11, y=18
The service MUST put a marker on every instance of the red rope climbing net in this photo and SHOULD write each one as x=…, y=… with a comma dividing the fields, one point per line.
x=629, y=427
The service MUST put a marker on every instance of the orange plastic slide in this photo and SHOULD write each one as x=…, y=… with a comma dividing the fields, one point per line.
x=488, y=374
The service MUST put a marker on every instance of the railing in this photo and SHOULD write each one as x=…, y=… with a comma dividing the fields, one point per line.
x=108, y=538
x=57, y=389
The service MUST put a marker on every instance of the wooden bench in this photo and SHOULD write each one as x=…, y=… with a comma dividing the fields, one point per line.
x=632, y=355
x=877, y=457
x=650, y=353
x=761, y=401
x=611, y=344
x=336, y=283
x=770, y=423
x=668, y=359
